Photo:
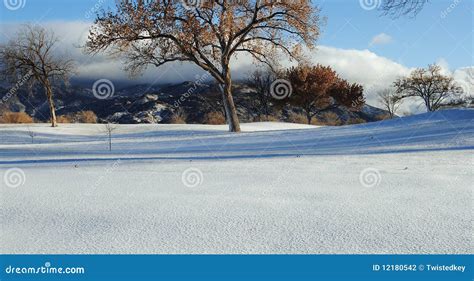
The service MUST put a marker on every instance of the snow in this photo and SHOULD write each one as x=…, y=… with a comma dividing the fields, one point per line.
x=400, y=186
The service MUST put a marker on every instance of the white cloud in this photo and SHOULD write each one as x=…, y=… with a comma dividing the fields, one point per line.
x=443, y=63
x=362, y=66
x=465, y=78
x=381, y=39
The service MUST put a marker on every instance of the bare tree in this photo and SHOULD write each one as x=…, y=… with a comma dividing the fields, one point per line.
x=397, y=8
x=109, y=128
x=434, y=88
x=390, y=100
x=212, y=103
x=207, y=33
x=31, y=53
x=261, y=81
x=32, y=134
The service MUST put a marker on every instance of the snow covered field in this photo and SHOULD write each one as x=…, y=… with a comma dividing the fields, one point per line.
x=399, y=186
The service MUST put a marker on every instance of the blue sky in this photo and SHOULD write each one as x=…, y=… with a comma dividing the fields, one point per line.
x=412, y=42
x=415, y=41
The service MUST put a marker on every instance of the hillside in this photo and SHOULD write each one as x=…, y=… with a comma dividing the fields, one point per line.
x=275, y=188
x=147, y=104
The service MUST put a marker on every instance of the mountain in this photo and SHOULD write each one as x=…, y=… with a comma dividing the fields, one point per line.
x=143, y=103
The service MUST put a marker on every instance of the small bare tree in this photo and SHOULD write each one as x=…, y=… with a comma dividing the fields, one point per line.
x=207, y=33
x=32, y=134
x=429, y=84
x=109, y=128
x=30, y=53
x=390, y=101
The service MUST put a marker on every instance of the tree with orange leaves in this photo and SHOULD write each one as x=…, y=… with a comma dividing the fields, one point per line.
x=208, y=33
x=316, y=89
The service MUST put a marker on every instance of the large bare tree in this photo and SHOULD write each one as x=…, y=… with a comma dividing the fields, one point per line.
x=429, y=84
x=208, y=33
x=32, y=53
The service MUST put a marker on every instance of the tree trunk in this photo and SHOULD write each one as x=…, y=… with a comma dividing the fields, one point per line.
x=309, y=117
x=52, y=111
x=228, y=100
x=265, y=106
x=428, y=105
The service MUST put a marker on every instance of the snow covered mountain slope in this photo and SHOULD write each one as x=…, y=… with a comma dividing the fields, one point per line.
x=399, y=186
